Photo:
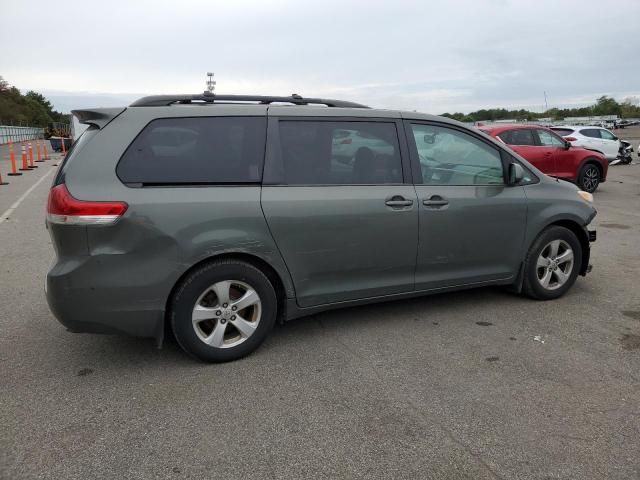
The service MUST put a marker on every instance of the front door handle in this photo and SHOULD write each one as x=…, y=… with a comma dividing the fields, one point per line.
x=398, y=201
x=435, y=201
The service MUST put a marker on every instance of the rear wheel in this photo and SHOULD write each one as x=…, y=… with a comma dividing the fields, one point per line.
x=223, y=311
x=589, y=177
x=552, y=264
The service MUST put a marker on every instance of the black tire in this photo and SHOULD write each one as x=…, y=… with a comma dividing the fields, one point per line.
x=532, y=286
x=589, y=177
x=195, y=284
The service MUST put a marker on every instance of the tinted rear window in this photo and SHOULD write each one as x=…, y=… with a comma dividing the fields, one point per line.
x=336, y=153
x=590, y=132
x=201, y=150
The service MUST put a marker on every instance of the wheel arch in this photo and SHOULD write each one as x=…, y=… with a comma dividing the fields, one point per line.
x=577, y=229
x=581, y=234
x=254, y=260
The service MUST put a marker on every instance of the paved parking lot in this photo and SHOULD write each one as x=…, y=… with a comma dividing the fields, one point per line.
x=479, y=384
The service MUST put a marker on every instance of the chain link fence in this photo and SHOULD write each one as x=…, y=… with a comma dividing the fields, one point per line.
x=14, y=134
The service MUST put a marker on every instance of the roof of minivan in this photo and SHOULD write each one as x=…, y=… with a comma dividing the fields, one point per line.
x=102, y=116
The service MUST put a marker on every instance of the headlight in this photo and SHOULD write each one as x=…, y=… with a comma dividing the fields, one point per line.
x=586, y=196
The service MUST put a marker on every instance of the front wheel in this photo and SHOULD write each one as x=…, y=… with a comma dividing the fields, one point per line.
x=552, y=264
x=223, y=311
x=589, y=178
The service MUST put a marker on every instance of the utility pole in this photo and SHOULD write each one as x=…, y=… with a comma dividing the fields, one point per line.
x=546, y=107
x=211, y=83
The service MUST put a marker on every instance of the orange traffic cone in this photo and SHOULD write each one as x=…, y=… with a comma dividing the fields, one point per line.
x=31, y=165
x=25, y=165
x=14, y=170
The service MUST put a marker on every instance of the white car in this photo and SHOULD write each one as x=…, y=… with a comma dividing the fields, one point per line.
x=346, y=143
x=592, y=138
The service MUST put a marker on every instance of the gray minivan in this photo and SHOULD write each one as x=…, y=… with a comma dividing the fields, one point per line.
x=216, y=216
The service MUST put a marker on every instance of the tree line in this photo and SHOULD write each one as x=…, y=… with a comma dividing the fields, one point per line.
x=31, y=109
x=605, y=105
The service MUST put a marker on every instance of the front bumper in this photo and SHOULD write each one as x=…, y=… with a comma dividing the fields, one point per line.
x=586, y=254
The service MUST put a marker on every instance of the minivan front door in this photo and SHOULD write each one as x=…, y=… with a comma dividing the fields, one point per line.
x=344, y=220
x=472, y=224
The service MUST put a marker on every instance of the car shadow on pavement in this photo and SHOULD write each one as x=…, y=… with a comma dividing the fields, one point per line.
x=454, y=306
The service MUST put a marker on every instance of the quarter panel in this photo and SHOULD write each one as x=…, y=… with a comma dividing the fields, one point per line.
x=168, y=230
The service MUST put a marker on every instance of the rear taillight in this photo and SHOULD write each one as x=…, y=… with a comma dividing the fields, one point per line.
x=570, y=139
x=63, y=209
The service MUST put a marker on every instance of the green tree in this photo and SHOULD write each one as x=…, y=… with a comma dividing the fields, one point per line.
x=32, y=109
x=606, y=106
x=630, y=108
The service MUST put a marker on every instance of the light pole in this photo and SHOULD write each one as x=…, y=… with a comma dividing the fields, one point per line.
x=211, y=83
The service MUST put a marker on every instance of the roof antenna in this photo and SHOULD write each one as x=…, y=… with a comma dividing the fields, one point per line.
x=211, y=85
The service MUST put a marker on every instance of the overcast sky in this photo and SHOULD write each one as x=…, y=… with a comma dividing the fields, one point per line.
x=416, y=55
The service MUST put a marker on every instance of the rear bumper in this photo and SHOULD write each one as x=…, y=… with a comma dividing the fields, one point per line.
x=83, y=308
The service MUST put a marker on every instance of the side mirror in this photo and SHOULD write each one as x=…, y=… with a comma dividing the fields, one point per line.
x=567, y=145
x=429, y=138
x=516, y=173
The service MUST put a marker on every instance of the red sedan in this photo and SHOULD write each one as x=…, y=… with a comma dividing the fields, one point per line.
x=552, y=154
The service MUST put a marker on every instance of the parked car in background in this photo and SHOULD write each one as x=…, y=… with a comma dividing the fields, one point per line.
x=346, y=143
x=553, y=155
x=185, y=213
x=592, y=138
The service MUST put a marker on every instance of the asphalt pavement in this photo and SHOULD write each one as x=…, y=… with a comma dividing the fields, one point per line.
x=481, y=384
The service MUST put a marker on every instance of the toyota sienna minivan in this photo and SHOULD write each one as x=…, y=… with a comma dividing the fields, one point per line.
x=215, y=216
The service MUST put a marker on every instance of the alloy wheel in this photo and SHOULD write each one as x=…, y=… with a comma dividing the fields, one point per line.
x=226, y=314
x=591, y=179
x=555, y=264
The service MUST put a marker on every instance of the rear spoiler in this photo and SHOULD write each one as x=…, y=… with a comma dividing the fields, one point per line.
x=99, y=117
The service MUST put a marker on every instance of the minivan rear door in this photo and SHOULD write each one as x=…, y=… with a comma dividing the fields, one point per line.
x=345, y=221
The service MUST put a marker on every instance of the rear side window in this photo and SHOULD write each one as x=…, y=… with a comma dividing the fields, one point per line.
x=199, y=150
x=521, y=136
x=337, y=153
x=590, y=132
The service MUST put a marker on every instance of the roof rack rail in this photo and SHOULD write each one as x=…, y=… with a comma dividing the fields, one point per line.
x=206, y=97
